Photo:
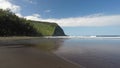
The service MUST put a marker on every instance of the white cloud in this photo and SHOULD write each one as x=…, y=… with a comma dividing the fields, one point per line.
x=31, y=1
x=47, y=11
x=6, y=4
x=19, y=15
x=35, y=17
x=90, y=20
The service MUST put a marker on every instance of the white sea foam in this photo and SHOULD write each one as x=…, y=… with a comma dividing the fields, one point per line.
x=94, y=37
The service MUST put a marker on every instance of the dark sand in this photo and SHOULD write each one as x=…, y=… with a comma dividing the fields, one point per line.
x=20, y=56
x=16, y=38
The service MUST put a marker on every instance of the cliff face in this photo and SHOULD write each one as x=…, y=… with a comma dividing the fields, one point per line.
x=58, y=31
x=47, y=28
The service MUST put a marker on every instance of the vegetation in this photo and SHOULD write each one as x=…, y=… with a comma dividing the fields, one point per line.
x=12, y=25
x=45, y=28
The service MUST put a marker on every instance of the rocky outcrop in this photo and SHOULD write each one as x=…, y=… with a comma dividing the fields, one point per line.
x=58, y=31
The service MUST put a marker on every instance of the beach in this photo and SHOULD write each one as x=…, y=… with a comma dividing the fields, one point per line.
x=54, y=52
x=14, y=54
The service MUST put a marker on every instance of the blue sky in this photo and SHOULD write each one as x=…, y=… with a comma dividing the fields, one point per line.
x=68, y=8
x=76, y=17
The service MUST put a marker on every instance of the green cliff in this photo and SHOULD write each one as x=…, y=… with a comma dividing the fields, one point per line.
x=12, y=25
x=46, y=28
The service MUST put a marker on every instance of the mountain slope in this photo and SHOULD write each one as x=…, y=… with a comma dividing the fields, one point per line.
x=12, y=25
x=46, y=28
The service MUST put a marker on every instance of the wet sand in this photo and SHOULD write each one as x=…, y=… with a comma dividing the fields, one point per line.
x=16, y=38
x=59, y=53
x=20, y=56
x=92, y=53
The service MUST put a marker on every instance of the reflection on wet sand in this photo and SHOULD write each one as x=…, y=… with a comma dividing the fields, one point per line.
x=49, y=44
x=42, y=43
x=92, y=53
x=32, y=53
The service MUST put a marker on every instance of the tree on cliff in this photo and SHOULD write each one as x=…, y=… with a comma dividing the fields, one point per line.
x=12, y=25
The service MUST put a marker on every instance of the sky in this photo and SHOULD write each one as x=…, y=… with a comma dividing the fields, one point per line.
x=76, y=17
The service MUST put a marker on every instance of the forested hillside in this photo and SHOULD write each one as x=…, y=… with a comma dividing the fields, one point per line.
x=12, y=25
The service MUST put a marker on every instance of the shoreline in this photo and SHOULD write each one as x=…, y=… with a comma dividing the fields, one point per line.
x=69, y=61
x=17, y=38
x=53, y=37
x=36, y=57
x=13, y=57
